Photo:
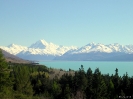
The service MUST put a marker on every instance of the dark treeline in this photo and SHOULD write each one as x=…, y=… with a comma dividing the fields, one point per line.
x=27, y=81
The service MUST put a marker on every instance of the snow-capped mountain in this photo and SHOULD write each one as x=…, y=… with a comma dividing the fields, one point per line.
x=42, y=47
x=14, y=49
x=93, y=47
x=93, y=51
x=42, y=44
x=121, y=48
x=42, y=50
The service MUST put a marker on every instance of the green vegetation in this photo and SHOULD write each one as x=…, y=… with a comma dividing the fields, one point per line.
x=28, y=81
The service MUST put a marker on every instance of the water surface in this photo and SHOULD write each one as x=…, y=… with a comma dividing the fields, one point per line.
x=104, y=66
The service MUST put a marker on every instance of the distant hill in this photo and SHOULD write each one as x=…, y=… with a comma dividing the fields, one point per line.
x=12, y=58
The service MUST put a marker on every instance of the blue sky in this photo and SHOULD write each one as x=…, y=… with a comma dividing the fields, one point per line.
x=66, y=22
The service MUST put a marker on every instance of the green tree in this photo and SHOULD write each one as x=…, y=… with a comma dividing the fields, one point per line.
x=22, y=83
x=56, y=89
x=80, y=82
x=126, y=84
x=111, y=90
x=89, y=90
x=116, y=81
x=99, y=86
x=131, y=86
x=82, y=79
x=5, y=81
x=67, y=92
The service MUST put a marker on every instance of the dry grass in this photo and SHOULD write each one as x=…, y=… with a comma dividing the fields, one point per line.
x=58, y=72
x=16, y=60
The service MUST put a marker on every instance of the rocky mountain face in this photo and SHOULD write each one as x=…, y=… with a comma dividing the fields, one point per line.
x=42, y=50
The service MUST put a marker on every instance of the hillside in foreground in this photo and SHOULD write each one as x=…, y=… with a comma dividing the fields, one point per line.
x=12, y=58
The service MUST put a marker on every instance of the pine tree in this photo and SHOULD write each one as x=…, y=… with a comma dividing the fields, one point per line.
x=111, y=89
x=116, y=81
x=99, y=86
x=67, y=92
x=22, y=83
x=5, y=82
x=126, y=84
x=56, y=89
x=89, y=90
x=82, y=79
x=131, y=87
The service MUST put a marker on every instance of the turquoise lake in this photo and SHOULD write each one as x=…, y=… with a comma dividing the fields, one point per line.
x=104, y=67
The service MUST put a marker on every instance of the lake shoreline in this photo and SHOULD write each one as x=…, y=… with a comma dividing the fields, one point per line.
x=104, y=66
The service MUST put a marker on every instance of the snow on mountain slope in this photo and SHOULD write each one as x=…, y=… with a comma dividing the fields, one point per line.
x=42, y=47
x=129, y=48
x=42, y=44
x=93, y=47
x=14, y=49
x=121, y=48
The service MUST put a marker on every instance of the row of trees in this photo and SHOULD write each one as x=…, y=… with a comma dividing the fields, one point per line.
x=27, y=81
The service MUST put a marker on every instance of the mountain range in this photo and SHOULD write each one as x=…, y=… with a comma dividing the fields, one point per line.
x=42, y=50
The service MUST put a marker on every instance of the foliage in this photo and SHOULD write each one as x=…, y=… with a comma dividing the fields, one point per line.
x=28, y=81
x=5, y=81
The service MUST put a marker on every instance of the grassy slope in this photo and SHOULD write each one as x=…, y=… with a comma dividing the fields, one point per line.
x=58, y=72
x=12, y=58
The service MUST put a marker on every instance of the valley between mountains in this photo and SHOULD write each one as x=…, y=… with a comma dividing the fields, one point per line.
x=43, y=51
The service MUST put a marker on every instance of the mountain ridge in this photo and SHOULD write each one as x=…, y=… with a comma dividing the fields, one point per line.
x=42, y=50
